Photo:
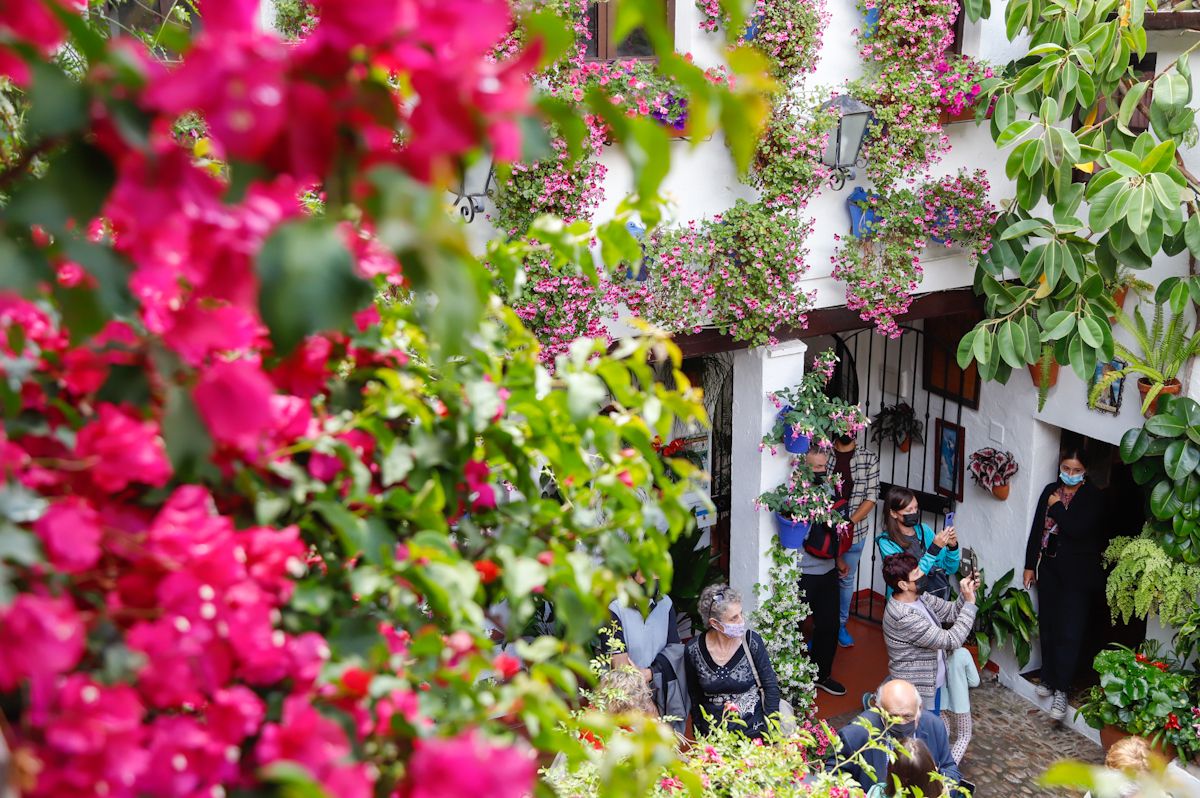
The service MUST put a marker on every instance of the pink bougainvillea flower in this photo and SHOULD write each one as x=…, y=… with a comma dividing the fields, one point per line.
x=234, y=400
x=468, y=766
x=44, y=637
x=70, y=532
x=121, y=450
x=309, y=739
x=482, y=494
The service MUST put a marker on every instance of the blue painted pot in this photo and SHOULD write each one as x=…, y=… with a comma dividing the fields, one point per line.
x=796, y=444
x=862, y=219
x=752, y=28
x=870, y=23
x=792, y=534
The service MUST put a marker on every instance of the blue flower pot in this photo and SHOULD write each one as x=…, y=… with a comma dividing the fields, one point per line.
x=940, y=223
x=796, y=444
x=862, y=219
x=752, y=28
x=870, y=23
x=792, y=534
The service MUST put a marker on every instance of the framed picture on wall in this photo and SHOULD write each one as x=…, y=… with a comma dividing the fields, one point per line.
x=948, y=459
x=1109, y=400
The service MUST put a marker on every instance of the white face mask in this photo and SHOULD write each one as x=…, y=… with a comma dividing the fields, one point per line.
x=732, y=629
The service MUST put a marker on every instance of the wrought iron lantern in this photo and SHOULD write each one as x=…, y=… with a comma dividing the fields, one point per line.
x=842, y=151
x=477, y=181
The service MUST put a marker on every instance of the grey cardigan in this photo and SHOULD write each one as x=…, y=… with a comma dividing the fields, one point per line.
x=913, y=641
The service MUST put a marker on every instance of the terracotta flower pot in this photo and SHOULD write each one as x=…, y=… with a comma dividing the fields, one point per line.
x=1001, y=491
x=1119, y=298
x=1173, y=387
x=1035, y=372
x=905, y=444
x=1111, y=735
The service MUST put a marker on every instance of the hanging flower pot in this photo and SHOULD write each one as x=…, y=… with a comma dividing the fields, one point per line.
x=1001, y=491
x=792, y=534
x=870, y=22
x=862, y=215
x=796, y=443
x=905, y=444
x=1173, y=387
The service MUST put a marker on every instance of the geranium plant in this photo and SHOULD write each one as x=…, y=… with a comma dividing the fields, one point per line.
x=787, y=166
x=992, y=469
x=558, y=303
x=958, y=82
x=805, y=408
x=955, y=210
x=740, y=272
x=1142, y=694
x=560, y=184
x=787, y=32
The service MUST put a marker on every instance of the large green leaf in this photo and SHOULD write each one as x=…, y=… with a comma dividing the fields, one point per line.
x=308, y=283
x=1180, y=459
x=1134, y=444
x=1164, y=425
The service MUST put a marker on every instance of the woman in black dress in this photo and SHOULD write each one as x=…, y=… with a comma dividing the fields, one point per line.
x=721, y=665
x=1063, y=559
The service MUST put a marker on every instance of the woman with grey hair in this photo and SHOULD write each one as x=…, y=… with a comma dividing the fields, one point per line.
x=729, y=672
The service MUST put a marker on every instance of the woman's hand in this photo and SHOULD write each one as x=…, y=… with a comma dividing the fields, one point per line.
x=951, y=536
x=966, y=587
x=842, y=568
x=942, y=539
x=621, y=660
x=1030, y=578
x=1053, y=500
x=647, y=674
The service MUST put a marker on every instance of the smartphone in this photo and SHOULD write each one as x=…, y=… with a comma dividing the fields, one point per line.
x=949, y=519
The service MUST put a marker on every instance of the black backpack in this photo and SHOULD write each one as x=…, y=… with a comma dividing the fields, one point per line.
x=824, y=542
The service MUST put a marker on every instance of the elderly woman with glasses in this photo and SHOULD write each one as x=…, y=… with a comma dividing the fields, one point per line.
x=729, y=672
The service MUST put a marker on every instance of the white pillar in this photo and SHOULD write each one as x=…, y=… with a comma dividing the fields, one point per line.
x=266, y=15
x=756, y=372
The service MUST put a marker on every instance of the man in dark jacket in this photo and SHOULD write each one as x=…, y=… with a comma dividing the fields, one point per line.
x=901, y=700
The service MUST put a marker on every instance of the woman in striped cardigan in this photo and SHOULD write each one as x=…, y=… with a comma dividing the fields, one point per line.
x=913, y=622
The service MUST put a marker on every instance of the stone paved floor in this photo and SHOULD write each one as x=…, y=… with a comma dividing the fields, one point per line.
x=1013, y=743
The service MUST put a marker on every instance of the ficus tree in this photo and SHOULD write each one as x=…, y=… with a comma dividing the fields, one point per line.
x=1094, y=197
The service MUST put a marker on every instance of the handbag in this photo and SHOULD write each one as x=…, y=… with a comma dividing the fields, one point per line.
x=787, y=717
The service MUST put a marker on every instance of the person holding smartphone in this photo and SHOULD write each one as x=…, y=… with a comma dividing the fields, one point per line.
x=936, y=553
x=1062, y=558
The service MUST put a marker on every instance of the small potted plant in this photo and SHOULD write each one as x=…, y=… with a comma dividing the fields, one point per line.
x=801, y=501
x=807, y=415
x=898, y=422
x=1140, y=693
x=1120, y=288
x=1164, y=347
x=1004, y=614
x=992, y=469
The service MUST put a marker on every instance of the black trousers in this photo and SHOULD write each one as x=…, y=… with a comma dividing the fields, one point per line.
x=824, y=599
x=1065, y=588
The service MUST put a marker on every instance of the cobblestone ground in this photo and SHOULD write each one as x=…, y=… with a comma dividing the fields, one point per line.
x=1013, y=743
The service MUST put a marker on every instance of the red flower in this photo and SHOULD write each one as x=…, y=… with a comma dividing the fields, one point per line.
x=1142, y=658
x=1172, y=723
x=1162, y=666
x=587, y=736
x=488, y=571
x=506, y=666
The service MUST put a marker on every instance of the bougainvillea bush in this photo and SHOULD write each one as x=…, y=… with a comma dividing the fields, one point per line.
x=267, y=475
x=740, y=272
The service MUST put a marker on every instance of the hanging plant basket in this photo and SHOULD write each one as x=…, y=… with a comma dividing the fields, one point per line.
x=905, y=444
x=792, y=534
x=1171, y=388
x=1035, y=372
x=1001, y=491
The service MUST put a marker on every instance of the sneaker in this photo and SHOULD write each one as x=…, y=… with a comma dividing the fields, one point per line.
x=833, y=686
x=1058, y=708
x=844, y=638
x=1043, y=691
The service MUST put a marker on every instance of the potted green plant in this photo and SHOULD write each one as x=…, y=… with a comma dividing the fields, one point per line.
x=1140, y=693
x=899, y=423
x=1163, y=348
x=801, y=501
x=1126, y=281
x=992, y=469
x=807, y=415
x=1004, y=614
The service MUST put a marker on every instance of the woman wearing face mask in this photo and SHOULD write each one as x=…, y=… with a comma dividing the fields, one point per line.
x=1063, y=559
x=937, y=555
x=721, y=667
x=917, y=644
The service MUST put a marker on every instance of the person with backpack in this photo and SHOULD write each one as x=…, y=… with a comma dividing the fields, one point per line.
x=821, y=566
x=937, y=554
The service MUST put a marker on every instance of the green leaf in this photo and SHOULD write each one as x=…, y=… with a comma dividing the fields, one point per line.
x=1013, y=132
x=1060, y=323
x=982, y=347
x=966, y=349
x=58, y=105
x=70, y=193
x=1024, y=228
x=1134, y=443
x=308, y=282
x=185, y=435
x=1090, y=332
x=18, y=546
x=1141, y=209
x=1163, y=501
x=1164, y=425
x=1006, y=345
x=1129, y=105
x=1191, y=234
x=1181, y=459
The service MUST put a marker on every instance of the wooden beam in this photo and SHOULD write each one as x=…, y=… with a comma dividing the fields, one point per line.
x=834, y=320
x=1172, y=20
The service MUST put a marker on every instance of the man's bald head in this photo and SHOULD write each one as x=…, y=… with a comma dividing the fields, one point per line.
x=900, y=698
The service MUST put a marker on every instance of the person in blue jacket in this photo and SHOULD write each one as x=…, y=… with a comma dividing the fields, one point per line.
x=937, y=554
x=902, y=703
